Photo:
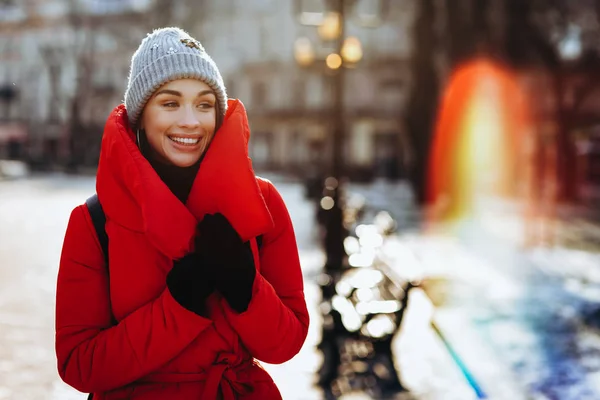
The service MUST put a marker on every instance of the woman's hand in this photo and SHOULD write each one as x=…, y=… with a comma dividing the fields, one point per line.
x=190, y=283
x=228, y=259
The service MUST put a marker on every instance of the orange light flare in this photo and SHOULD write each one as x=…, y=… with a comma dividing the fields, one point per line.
x=481, y=123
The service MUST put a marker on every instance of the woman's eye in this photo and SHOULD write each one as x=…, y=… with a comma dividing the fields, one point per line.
x=206, y=106
x=170, y=104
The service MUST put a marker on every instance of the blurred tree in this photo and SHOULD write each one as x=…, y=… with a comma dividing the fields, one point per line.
x=559, y=37
x=8, y=93
x=422, y=104
x=467, y=29
x=79, y=53
x=562, y=38
x=53, y=57
x=83, y=27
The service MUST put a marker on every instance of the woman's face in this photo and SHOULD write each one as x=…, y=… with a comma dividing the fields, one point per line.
x=179, y=120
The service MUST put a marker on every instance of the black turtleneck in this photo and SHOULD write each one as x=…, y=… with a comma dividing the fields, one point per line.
x=178, y=179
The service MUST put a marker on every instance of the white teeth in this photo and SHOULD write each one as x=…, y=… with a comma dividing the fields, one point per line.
x=184, y=140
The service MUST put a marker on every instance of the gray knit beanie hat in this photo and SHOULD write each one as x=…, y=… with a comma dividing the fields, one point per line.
x=165, y=55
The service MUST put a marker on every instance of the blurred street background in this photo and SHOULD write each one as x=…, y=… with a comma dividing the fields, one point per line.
x=447, y=151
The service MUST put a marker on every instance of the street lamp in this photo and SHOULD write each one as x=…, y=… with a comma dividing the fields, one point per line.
x=330, y=23
x=352, y=50
x=331, y=27
x=304, y=52
x=350, y=53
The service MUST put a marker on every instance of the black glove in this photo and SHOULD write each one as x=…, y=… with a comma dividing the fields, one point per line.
x=230, y=261
x=190, y=284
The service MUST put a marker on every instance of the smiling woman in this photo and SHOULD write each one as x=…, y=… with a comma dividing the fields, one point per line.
x=190, y=304
x=179, y=122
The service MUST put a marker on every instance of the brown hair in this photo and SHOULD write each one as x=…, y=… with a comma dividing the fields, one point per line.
x=219, y=117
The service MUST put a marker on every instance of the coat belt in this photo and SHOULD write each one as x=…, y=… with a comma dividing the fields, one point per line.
x=221, y=374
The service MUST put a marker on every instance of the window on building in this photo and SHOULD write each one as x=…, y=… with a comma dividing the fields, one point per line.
x=299, y=149
x=392, y=92
x=328, y=90
x=260, y=150
x=299, y=93
x=259, y=94
x=387, y=154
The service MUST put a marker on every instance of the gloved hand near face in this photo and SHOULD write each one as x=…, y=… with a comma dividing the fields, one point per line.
x=228, y=260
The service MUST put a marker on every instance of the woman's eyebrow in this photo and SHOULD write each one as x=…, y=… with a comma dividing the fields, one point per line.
x=178, y=94
x=169, y=91
x=205, y=92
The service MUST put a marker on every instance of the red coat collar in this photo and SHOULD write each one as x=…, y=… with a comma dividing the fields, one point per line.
x=134, y=197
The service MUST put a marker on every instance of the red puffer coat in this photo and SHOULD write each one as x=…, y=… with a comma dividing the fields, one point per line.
x=158, y=349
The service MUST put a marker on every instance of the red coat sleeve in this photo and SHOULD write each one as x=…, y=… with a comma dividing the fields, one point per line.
x=275, y=325
x=93, y=356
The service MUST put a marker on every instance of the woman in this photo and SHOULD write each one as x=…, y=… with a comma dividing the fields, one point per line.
x=195, y=299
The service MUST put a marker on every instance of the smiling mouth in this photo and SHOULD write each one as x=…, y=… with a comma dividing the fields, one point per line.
x=184, y=141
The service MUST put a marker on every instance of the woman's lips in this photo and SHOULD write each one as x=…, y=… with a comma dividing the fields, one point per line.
x=185, y=140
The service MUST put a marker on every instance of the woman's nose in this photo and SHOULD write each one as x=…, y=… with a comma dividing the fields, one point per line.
x=189, y=119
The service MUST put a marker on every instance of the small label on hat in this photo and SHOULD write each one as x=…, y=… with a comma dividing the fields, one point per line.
x=192, y=44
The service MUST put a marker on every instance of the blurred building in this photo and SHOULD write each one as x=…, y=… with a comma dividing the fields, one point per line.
x=290, y=106
x=554, y=49
x=566, y=116
x=67, y=62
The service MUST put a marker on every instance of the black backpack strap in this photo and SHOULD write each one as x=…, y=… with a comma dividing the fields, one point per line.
x=99, y=221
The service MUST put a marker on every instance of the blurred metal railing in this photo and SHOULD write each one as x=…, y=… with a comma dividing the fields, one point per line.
x=362, y=308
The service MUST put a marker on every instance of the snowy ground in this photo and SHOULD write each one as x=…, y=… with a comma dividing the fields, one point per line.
x=524, y=320
x=516, y=318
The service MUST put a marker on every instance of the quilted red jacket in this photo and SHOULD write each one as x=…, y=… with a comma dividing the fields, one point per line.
x=158, y=349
